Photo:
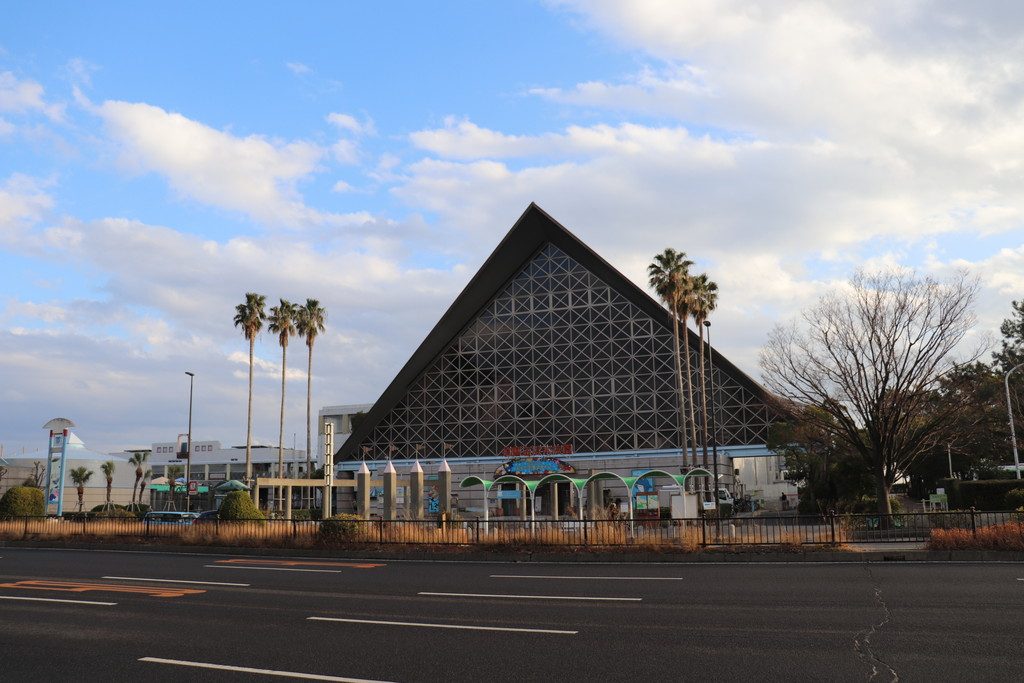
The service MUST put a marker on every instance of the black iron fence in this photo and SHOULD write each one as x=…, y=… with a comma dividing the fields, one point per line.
x=829, y=529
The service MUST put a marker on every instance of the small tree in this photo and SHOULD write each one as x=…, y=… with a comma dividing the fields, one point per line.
x=138, y=459
x=172, y=473
x=22, y=501
x=108, y=473
x=871, y=357
x=238, y=505
x=80, y=476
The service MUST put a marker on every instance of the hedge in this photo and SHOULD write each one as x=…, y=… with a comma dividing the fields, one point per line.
x=983, y=494
x=339, y=527
x=1014, y=499
x=22, y=501
x=238, y=505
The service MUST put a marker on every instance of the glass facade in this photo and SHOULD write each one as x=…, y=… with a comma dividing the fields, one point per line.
x=558, y=361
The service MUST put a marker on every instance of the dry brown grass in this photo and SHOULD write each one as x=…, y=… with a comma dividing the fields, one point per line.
x=1008, y=536
x=300, y=534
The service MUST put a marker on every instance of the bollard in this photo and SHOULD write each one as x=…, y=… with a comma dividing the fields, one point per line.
x=974, y=523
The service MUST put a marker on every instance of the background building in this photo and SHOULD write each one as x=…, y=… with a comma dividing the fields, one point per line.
x=213, y=462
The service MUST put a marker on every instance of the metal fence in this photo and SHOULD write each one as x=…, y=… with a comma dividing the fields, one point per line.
x=831, y=529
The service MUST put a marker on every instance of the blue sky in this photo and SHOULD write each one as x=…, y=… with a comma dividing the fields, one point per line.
x=156, y=162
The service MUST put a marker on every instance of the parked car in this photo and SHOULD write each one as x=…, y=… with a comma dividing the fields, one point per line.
x=171, y=517
x=208, y=517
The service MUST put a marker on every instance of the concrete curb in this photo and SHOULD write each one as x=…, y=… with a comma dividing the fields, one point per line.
x=406, y=553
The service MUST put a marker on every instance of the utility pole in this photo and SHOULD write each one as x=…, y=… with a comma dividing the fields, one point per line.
x=1009, y=411
x=188, y=446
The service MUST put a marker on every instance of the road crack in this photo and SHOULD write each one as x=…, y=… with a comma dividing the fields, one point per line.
x=862, y=641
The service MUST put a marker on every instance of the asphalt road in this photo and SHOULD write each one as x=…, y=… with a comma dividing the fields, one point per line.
x=381, y=621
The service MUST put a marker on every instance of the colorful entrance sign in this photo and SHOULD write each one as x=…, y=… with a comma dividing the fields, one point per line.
x=55, y=460
x=534, y=467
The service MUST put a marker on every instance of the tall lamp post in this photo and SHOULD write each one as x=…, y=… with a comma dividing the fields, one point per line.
x=714, y=426
x=188, y=447
x=1009, y=411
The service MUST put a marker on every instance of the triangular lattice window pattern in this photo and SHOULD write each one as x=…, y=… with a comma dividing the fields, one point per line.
x=557, y=357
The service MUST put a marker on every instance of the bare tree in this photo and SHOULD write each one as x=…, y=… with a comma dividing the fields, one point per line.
x=870, y=356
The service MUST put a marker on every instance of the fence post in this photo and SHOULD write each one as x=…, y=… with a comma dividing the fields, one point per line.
x=295, y=531
x=476, y=530
x=703, y=532
x=380, y=530
x=832, y=524
x=974, y=524
x=145, y=521
x=25, y=533
x=585, y=521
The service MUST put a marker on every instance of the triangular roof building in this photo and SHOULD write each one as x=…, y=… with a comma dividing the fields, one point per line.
x=549, y=349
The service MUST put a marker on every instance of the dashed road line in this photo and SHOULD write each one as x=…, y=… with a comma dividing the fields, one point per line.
x=601, y=578
x=460, y=627
x=259, y=672
x=272, y=569
x=529, y=597
x=199, y=583
x=71, y=602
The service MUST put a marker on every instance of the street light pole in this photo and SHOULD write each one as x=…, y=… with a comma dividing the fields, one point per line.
x=188, y=448
x=714, y=426
x=1009, y=411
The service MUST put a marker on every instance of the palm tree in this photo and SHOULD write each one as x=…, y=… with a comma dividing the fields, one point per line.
x=684, y=307
x=250, y=316
x=172, y=472
x=705, y=300
x=666, y=274
x=310, y=323
x=80, y=476
x=147, y=475
x=282, y=323
x=137, y=459
x=108, y=472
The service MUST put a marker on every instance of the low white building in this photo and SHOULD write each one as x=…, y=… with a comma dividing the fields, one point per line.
x=213, y=462
x=341, y=417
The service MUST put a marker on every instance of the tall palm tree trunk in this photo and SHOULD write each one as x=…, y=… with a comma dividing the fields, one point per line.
x=309, y=410
x=689, y=389
x=704, y=400
x=280, y=437
x=679, y=389
x=248, y=429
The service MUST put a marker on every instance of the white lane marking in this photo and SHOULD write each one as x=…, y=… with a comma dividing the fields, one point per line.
x=529, y=597
x=200, y=583
x=271, y=569
x=73, y=602
x=452, y=626
x=603, y=578
x=262, y=672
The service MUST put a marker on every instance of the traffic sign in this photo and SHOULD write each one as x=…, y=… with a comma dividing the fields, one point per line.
x=193, y=488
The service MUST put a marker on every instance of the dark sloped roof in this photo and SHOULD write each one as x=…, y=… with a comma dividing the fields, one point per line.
x=533, y=230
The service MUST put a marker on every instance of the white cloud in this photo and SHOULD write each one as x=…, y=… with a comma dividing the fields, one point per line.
x=23, y=203
x=298, y=68
x=253, y=175
x=6, y=127
x=24, y=96
x=351, y=124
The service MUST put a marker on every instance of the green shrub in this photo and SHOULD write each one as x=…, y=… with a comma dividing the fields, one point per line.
x=239, y=505
x=339, y=527
x=137, y=509
x=115, y=513
x=982, y=494
x=869, y=505
x=113, y=506
x=22, y=501
x=1014, y=499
